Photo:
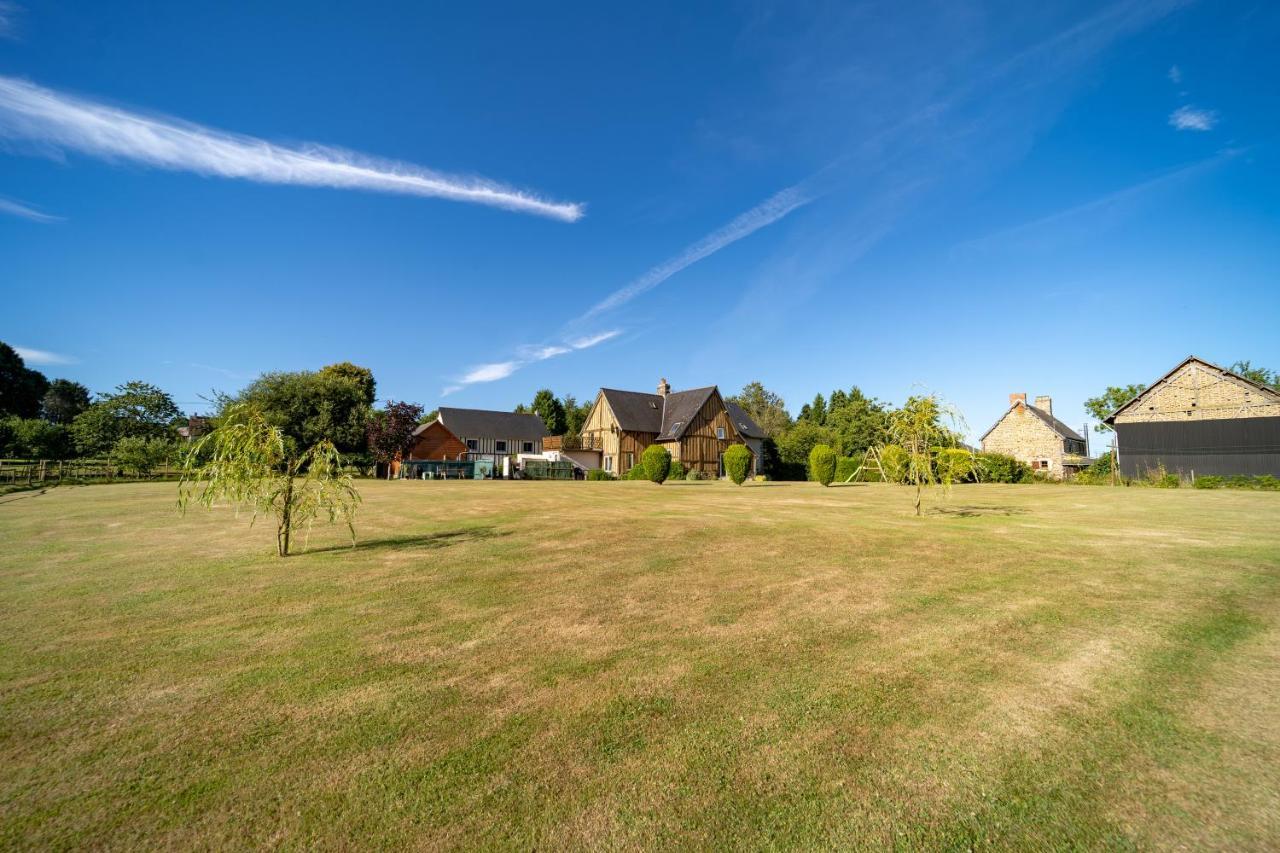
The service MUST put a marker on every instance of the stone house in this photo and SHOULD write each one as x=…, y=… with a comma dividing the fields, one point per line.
x=1200, y=419
x=1032, y=434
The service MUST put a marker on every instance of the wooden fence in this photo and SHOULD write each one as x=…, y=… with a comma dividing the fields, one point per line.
x=43, y=472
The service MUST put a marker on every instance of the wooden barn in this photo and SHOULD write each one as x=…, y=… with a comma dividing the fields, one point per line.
x=696, y=426
x=1203, y=419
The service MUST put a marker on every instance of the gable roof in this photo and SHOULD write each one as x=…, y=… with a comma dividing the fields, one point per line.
x=635, y=411
x=1061, y=429
x=680, y=408
x=482, y=423
x=746, y=427
x=1111, y=418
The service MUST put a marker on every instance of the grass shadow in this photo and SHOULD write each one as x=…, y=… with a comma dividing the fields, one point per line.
x=413, y=542
x=21, y=494
x=976, y=511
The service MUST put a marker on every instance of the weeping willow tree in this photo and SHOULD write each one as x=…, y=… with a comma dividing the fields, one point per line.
x=925, y=449
x=252, y=465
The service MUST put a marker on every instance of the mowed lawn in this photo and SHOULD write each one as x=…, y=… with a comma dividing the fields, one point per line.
x=624, y=665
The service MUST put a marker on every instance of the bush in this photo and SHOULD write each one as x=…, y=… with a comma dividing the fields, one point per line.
x=999, y=468
x=822, y=464
x=1209, y=482
x=599, y=474
x=676, y=471
x=893, y=462
x=636, y=472
x=656, y=460
x=955, y=464
x=1262, y=482
x=845, y=468
x=737, y=462
x=141, y=455
x=32, y=438
x=694, y=475
x=1160, y=478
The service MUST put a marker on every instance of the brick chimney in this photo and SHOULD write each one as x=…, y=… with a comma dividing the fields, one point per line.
x=1014, y=399
x=664, y=387
x=1045, y=404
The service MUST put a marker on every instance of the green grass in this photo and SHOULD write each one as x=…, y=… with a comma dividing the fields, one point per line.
x=628, y=665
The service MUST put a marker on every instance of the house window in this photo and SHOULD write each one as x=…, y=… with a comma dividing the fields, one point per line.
x=675, y=427
x=608, y=463
x=500, y=446
x=720, y=433
x=628, y=460
x=527, y=447
x=473, y=444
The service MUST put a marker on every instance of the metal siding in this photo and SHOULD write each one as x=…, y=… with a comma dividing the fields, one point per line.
x=1224, y=446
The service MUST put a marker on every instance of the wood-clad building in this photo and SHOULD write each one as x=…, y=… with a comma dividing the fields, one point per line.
x=696, y=426
x=1200, y=418
x=435, y=441
x=471, y=434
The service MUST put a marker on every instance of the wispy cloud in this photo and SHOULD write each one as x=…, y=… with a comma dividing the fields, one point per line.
x=493, y=371
x=31, y=112
x=766, y=213
x=14, y=208
x=40, y=356
x=9, y=18
x=1175, y=74
x=1193, y=118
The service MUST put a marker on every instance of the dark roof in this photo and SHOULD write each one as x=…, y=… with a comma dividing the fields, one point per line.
x=1266, y=389
x=1053, y=423
x=480, y=423
x=680, y=408
x=742, y=421
x=635, y=411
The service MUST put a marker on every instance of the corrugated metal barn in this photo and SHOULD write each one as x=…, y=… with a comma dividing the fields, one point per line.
x=1200, y=419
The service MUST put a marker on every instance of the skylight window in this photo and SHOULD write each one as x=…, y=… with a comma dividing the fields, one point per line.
x=675, y=427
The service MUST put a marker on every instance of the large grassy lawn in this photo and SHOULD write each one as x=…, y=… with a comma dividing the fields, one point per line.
x=625, y=665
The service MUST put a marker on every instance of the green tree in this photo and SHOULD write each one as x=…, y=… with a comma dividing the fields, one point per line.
x=21, y=388
x=63, y=401
x=575, y=414
x=767, y=409
x=795, y=443
x=822, y=464
x=134, y=409
x=1101, y=406
x=857, y=422
x=1261, y=375
x=361, y=377
x=925, y=428
x=250, y=463
x=817, y=410
x=33, y=438
x=142, y=455
x=550, y=410
x=308, y=407
x=656, y=460
x=737, y=462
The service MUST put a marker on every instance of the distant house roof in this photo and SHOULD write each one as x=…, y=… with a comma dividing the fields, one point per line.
x=1053, y=423
x=668, y=417
x=1265, y=389
x=635, y=411
x=481, y=423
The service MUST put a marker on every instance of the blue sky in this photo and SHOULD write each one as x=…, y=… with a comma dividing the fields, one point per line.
x=479, y=202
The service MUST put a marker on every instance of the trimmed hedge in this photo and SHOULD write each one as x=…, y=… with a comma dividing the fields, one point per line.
x=822, y=464
x=676, y=471
x=637, y=472
x=737, y=462
x=599, y=474
x=657, y=462
x=999, y=468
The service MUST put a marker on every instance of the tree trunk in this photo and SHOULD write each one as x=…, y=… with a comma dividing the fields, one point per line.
x=918, y=490
x=286, y=520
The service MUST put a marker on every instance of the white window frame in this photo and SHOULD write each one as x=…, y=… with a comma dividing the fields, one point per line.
x=608, y=463
x=720, y=433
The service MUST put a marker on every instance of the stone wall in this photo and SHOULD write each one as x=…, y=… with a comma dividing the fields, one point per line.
x=1200, y=392
x=1024, y=436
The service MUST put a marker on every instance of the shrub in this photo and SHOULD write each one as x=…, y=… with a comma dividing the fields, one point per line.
x=141, y=455
x=893, y=461
x=599, y=474
x=676, y=471
x=637, y=472
x=822, y=464
x=33, y=438
x=1161, y=478
x=737, y=462
x=1209, y=482
x=845, y=468
x=656, y=460
x=999, y=468
x=955, y=464
x=694, y=475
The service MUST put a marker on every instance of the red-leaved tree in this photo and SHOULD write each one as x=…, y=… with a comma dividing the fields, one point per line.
x=390, y=431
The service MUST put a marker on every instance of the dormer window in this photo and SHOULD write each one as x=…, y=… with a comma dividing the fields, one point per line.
x=720, y=433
